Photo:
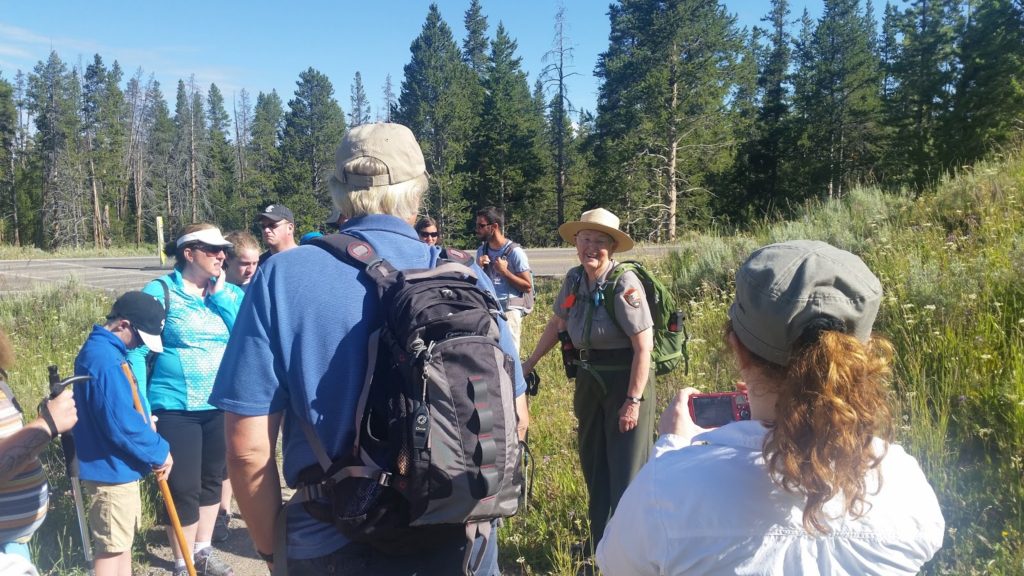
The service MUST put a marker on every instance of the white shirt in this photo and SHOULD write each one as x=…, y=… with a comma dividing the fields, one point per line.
x=711, y=508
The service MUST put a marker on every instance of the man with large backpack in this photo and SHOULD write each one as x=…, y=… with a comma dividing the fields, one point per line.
x=309, y=348
x=506, y=264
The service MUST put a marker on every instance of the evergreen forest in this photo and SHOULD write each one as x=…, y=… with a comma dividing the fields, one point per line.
x=699, y=123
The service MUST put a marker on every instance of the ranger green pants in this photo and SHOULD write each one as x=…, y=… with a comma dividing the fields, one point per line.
x=609, y=458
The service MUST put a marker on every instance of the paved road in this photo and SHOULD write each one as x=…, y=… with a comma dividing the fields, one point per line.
x=128, y=273
x=111, y=274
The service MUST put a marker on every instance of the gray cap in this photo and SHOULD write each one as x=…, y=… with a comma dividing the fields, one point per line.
x=783, y=287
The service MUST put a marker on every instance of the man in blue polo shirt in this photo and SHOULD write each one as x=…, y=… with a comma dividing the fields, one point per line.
x=299, y=347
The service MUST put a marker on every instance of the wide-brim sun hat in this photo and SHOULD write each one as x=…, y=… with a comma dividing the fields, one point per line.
x=601, y=220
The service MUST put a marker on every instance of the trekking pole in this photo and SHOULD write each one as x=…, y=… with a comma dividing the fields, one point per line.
x=165, y=490
x=67, y=444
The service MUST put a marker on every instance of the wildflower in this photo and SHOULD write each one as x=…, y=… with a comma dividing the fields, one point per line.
x=972, y=296
x=907, y=306
x=986, y=356
x=929, y=307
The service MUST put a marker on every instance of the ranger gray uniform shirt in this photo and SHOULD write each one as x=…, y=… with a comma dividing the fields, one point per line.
x=631, y=310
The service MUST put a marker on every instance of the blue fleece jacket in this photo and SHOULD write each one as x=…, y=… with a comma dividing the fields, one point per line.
x=114, y=442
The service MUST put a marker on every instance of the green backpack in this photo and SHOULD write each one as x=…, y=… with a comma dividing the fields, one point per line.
x=669, y=322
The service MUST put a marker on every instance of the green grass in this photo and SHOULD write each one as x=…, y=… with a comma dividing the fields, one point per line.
x=950, y=262
x=8, y=252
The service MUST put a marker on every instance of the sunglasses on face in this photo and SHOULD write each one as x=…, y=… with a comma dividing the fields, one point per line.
x=269, y=225
x=480, y=225
x=429, y=234
x=207, y=249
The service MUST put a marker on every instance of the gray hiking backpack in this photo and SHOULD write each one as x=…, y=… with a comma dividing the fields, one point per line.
x=436, y=442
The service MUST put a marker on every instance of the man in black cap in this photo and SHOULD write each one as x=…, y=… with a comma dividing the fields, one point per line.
x=277, y=223
x=117, y=444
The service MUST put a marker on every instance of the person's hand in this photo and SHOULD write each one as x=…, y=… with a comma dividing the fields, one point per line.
x=676, y=418
x=152, y=422
x=527, y=366
x=217, y=284
x=483, y=260
x=62, y=410
x=629, y=414
x=501, y=266
x=164, y=470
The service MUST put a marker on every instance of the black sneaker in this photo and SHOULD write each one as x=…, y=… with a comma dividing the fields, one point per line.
x=209, y=565
x=220, y=526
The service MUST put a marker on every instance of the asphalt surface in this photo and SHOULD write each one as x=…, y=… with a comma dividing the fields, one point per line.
x=117, y=275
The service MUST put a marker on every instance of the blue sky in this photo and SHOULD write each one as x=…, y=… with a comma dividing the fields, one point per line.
x=260, y=45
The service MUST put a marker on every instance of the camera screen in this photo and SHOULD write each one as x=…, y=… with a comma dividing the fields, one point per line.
x=712, y=412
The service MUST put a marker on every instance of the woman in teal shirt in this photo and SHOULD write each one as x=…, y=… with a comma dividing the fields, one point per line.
x=201, y=308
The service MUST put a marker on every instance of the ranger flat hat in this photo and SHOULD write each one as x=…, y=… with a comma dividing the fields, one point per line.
x=601, y=220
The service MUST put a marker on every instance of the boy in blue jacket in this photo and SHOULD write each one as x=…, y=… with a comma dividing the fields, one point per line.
x=117, y=444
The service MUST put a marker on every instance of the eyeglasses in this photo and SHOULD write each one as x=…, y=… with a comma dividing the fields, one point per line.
x=269, y=225
x=429, y=234
x=483, y=224
x=207, y=249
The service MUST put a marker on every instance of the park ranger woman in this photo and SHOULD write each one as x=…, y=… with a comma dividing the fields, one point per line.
x=614, y=397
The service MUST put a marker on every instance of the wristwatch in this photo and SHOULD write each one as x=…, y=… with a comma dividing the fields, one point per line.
x=634, y=399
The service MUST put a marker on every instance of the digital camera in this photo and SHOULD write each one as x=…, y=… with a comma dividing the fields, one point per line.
x=718, y=408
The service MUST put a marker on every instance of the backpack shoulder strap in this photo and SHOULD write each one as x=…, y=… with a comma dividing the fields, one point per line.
x=358, y=253
x=167, y=294
x=613, y=280
x=509, y=248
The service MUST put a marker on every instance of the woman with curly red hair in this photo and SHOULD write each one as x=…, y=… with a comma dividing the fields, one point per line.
x=812, y=483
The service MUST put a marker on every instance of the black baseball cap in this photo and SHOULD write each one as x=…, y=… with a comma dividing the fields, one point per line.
x=277, y=212
x=146, y=315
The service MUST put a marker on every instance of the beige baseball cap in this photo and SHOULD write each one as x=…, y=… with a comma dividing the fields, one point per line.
x=392, y=144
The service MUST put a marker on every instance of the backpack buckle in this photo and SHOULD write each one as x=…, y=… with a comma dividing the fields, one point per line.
x=384, y=479
x=585, y=354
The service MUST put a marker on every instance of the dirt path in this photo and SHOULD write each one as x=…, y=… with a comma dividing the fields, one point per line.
x=237, y=551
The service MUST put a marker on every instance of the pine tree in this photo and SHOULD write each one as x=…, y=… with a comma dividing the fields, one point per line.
x=436, y=103
x=267, y=125
x=925, y=76
x=475, y=44
x=162, y=184
x=989, y=102
x=837, y=88
x=220, y=163
x=360, y=111
x=758, y=170
x=389, y=100
x=313, y=127
x=662, y=124
x=8, y=130
x=508, y=149
x=54, y=98
x=183, y=191
x=242, y=107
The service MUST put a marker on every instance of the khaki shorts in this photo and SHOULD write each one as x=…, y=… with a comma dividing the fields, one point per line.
x=114, y=514
x=514, y=319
